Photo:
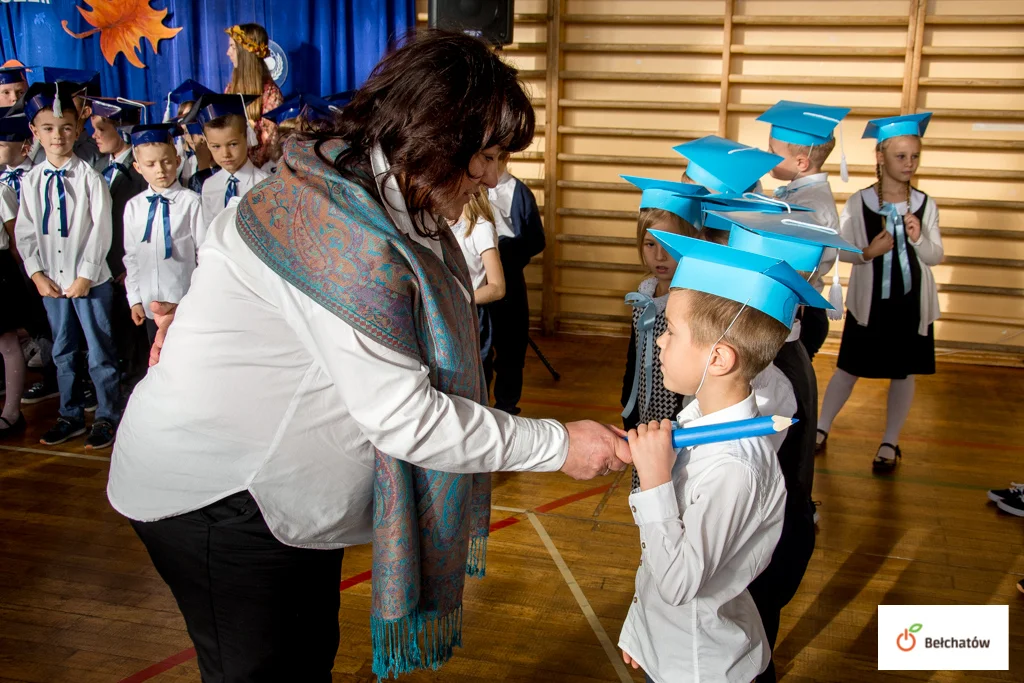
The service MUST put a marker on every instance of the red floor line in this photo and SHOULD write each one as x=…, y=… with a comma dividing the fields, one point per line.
x=185, y=655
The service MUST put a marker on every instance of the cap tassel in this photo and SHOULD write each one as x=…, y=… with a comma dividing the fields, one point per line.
x=167, y=109
x=58, y=110
x=835, y=294
x=844, y=171
x=250, y=132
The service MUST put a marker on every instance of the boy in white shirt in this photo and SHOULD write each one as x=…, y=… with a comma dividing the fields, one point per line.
x=710, y=515
x=63, y=234
x=225, y=129
x=160, y=226
x=15, y=142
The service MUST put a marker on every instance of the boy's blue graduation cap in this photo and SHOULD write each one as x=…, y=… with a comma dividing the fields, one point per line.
x=894, y=126
x=800, y=243
x=725, y=166
x=212, y=106
x=155, y=132
x=682, y=199
x=122, y=112
x=58, y=96
x=799, y=123
x=13, y=71
x=13, y=128
x=769, y=285
x=89, y=80
x=189, y=91
x=309, y=106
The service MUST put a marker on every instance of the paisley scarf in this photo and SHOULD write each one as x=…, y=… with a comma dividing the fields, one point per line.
x=330, y=239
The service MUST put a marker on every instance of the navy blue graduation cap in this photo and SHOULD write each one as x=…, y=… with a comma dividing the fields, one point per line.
x=163, y=133
x=309, y=106
x=58, y=96
x=769, y=285
x=189, y=91
x=340, y=99
x=212, y=106
x=724, y=165
x=89, y=80
x=798, y=242
x=13, y=128
x=13, y=71
x=894, y=126
x=124, y=113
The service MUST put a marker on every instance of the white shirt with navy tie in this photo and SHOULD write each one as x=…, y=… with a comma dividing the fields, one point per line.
x=152, y=274
x=216, y=186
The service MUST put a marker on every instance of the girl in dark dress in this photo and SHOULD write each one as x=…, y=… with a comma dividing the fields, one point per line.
x=892, y=300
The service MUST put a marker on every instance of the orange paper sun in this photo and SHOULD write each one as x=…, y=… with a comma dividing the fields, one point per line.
x=122, y=24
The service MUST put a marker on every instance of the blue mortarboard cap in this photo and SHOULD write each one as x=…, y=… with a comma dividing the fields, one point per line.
x=800, y=123
x=215, y=105
x=682, y=199
x=309, y=106
x=340, y=99
x=748, y=201
x=59, y=96
x=13, y=71
x=90, y=80
x=769, y=285
x=798, y=242
x=123, y=113
x=725, y=166
x=894, y=126
x=13, y=127
x=155, y=132
x=189, y=91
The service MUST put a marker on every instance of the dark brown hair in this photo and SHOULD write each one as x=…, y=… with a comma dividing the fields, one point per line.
x=229, y=121
x=432, y=105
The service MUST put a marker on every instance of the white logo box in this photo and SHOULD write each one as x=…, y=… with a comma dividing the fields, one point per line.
x=943, y=638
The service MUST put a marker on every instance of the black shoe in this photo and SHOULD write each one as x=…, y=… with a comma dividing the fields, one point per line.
x=39, y=392
x=64, y=430
x=10, y=429
x=882, y=465
x=89, y=397
x=819, y=448
x=996, y=495
x=101, y=436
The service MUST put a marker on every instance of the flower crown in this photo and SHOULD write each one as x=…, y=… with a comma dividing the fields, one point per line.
x=261, y=50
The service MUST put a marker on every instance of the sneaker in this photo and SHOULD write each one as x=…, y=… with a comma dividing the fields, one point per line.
x=89, y=397
x=1013, y=505
x=996, y=495
x=101, y=436
x=64, y=430
x=38, y=393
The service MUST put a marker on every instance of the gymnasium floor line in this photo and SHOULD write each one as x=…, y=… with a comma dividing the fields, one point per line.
x=187, y=654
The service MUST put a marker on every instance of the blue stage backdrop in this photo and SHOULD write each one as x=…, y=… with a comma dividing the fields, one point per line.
x=318, y=46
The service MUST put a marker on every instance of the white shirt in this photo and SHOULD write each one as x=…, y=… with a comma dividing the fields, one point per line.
x=704, y=537
x=188, y=166
x=775, y=396
x=213, y=192
x=814, y=192
x=83, y=253
x=25, y=166
x=500, y=197
x=482, y=238
x=119, y=159
x=150, y=276
x=928, y=248
x=261, y=388
x=8, y=212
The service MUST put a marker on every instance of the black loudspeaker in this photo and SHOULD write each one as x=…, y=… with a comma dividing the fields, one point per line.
x=489, y=20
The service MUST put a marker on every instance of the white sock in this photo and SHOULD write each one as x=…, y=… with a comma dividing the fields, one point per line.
x=901, y=395
x=838, y=392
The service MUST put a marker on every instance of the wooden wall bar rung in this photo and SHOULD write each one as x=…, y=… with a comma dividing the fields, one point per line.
x=943, y=289
x=817, y=51
x=597, y=265
x=958, y=143
x=526, y=48
x=979, y=289
x=631, y=48
x=601, y=187
x=633, y=133
x=638, y=161
x=982, y=261
x=978, y=20
x=988, y=233
x=810, y=21
x=598, y=239
x=1016, y=83
x=975, y=113
x=737, y=107
x=971, y=51
x=822, y=81
x=639, y=106
x=637, y=76
x=598, y=213
x=643, y=19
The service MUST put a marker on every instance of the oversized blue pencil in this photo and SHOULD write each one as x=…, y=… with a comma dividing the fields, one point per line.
x=687, y=437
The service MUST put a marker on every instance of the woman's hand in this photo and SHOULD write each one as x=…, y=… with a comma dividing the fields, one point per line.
x=913, y=227
x=163, y=316
x=653, y=456
x=883, y=243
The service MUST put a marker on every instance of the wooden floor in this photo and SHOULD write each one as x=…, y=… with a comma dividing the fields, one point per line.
x=79, y=600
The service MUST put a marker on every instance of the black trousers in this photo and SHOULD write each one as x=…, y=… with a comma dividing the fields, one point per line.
x=813, y=329
x=777, y=584
x=510, y=324
x=256, y=609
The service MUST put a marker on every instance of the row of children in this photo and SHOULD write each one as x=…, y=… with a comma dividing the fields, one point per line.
x=724, y=330
x=105, y=227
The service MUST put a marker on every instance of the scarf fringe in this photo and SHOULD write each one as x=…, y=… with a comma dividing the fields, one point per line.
x=477, y=560
x=397, y=647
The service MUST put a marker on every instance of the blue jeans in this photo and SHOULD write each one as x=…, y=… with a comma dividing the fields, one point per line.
x=92, y=313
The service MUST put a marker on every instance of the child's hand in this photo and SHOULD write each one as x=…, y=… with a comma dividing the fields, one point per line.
x=163, y=316
x=138, y=314
x=79, y=288
x=913, y=227
x=629, y=660
x=653, y=455
x=46, y=286
x=883, y=243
